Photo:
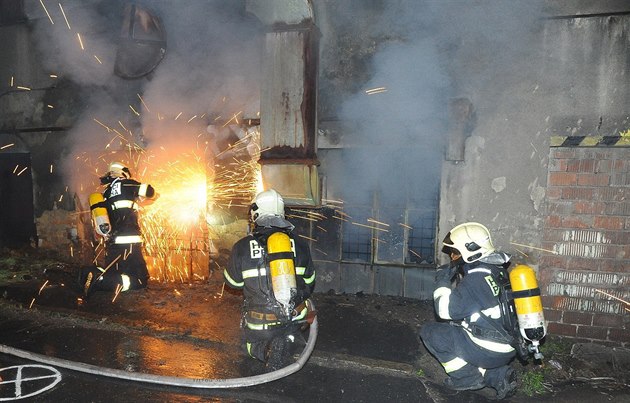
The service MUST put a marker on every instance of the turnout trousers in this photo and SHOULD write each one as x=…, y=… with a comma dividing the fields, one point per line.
x=463, y=360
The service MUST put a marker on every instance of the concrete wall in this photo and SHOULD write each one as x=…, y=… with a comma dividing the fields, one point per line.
x=568, y=205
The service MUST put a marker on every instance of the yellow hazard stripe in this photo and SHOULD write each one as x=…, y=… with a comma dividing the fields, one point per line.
x=590, y=141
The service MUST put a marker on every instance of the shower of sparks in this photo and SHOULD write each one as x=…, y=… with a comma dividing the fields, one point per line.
x=370, y=227
x=377, y=222
x=53, y=76
x=31, y=305
x=64, y=16
x=134, y=111
x=7, y=146
x=178, y=115
x=50, y=106
x=42, y=287
x=533, y=247
x=191, y=119
x=102, y=124
x=521, y=252
x=98, y=60
x=51, y=168
x=117, y=292
x=376, y=90
x=23, y=169
x=144, y=104
x=80, y=41
x=46, y=10
x=613, y=297
x=195, y=192
x=222, y=289
x=19, y=87
x=405, y=225
x=321, y=251
x=233, y=118
x=11, y=82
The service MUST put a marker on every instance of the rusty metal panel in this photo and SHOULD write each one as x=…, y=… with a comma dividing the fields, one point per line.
x=282, y=123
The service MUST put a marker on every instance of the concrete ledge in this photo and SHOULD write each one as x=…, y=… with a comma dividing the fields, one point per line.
x=332, y=360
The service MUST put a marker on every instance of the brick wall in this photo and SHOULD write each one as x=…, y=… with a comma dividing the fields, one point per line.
x=585, y=283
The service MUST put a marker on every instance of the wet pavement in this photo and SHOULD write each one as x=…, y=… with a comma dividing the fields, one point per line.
x=363, y=353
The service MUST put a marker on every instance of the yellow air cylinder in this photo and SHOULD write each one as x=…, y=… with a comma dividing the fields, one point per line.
x=528, y=303
x=100, y=219
x=281, y=267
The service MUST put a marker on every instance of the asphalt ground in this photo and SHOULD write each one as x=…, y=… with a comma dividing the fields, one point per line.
x=367, y=350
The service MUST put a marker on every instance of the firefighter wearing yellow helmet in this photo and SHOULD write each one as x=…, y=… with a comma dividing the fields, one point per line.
x=274, y=269
x=469, y=343
x=125, y=266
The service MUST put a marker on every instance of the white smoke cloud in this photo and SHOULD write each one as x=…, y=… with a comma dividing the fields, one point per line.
x=210, y=71
x=426, y=53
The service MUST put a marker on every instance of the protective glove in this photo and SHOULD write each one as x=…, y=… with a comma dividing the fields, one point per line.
x=444, y=275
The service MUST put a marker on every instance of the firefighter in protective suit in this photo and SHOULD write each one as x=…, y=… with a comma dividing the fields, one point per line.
x=468, y=342
x=125, y=267
x=272, y=324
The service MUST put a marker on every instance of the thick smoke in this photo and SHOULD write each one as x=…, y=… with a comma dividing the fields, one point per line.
x=210, y=72
x=427, y=52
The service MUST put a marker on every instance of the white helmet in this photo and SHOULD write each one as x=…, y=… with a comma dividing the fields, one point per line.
x=472, y=241
x=119, y=170
x=267, y=204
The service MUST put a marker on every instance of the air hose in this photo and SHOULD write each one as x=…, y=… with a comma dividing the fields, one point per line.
x=173, y=380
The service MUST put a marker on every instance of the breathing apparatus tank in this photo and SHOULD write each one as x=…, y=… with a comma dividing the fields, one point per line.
x=100, y=219
x=528, y=304
x=282, y=270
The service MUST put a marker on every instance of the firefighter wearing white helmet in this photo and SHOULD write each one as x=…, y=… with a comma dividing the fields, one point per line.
x=125, y=263
x=274, y=269
x=470, y=342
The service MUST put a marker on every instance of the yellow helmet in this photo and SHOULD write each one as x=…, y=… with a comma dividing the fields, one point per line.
x=118, y=170
x=472, y=240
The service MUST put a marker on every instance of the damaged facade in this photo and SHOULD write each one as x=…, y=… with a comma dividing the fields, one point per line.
x=391, y=137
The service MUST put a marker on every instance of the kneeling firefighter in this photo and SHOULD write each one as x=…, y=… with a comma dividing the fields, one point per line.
x=115, y=218
x=275, y=271
x=471, y=342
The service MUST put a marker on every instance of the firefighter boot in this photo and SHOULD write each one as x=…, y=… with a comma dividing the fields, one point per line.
x=88, y=279
x=465, y=378
x=278, y=355
x=507, y=385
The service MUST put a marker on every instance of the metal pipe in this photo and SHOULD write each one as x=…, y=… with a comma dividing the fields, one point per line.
x=172, y=380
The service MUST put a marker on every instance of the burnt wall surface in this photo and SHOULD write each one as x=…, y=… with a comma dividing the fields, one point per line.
x=587, y=277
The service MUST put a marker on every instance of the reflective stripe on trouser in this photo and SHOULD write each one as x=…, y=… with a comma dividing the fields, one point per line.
x=460, y=356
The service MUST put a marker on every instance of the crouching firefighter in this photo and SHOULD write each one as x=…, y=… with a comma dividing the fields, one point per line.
x=275, y=271
x=115, y=218
x=472, y=342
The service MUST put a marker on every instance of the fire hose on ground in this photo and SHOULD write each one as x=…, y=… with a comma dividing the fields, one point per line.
x=173, y=380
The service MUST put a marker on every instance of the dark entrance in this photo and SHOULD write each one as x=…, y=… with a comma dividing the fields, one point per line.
x=17, y=224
